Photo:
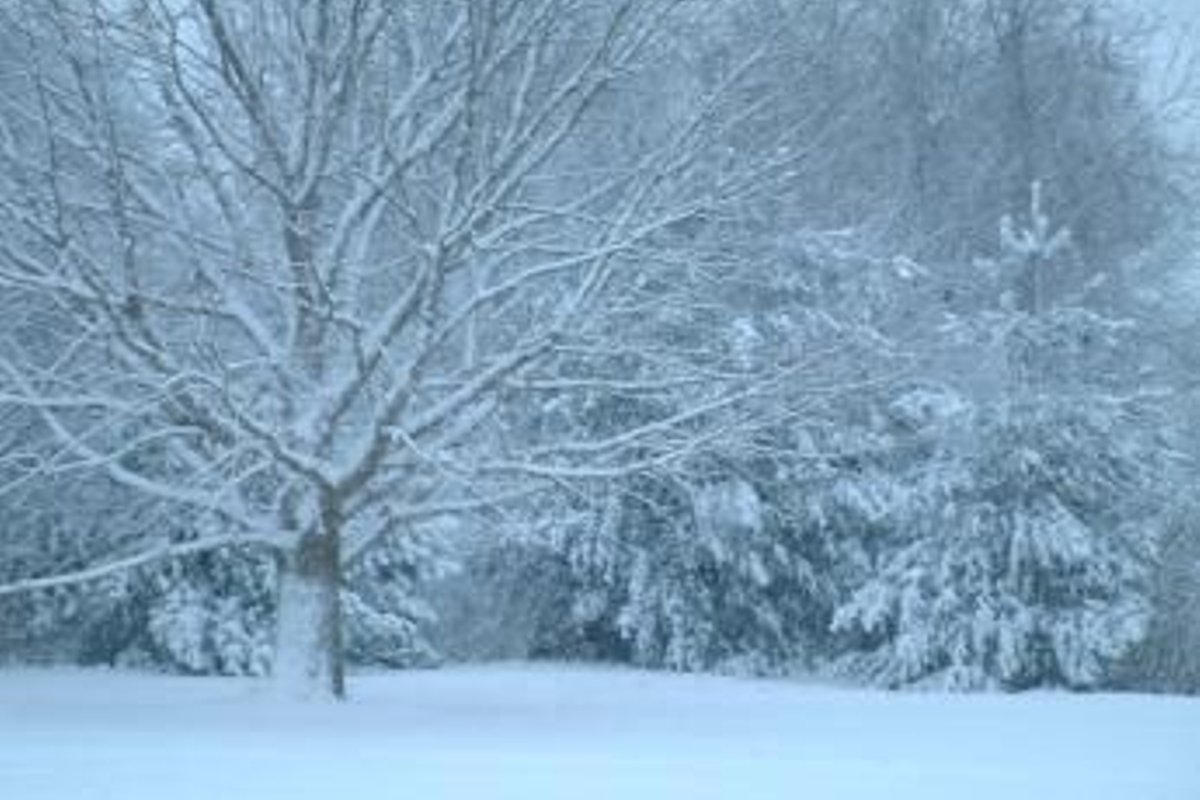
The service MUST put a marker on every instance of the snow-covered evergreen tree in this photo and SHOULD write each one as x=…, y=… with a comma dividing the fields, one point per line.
x=707, y=577
x=732, y=563
x=1023, y=551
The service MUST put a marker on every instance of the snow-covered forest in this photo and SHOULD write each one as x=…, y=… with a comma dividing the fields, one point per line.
x=834, y=338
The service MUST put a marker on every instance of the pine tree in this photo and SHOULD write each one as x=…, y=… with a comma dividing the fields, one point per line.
x=1023, y=553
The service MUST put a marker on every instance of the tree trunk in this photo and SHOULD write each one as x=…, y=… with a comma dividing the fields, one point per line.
x=310, y=647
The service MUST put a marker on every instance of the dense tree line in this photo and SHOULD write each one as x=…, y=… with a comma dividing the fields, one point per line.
x=756, y=337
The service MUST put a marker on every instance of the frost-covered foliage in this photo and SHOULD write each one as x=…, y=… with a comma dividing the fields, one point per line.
x=387, y=617
x=213, y=613
x=1023, y=533
x=698, y=578
x=734, y=563
x=1022, y=549
x=207, y=615
x=1016, y=562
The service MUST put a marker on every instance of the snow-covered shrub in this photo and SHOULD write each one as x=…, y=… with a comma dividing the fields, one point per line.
x=705, y=577
x=211, y=614
x=387, y=617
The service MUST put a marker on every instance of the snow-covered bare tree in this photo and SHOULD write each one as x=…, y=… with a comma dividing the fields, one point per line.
x=937, y=115
x=293, y=269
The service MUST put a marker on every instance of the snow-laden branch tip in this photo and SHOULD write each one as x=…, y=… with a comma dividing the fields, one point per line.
x=152, y=555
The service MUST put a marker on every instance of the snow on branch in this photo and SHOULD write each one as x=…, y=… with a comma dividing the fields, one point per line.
x=146, y=557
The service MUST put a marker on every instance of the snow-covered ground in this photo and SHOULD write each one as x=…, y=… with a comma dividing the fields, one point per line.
x=575, y=734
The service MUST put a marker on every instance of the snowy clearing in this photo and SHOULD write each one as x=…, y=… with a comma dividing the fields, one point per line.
x=553, y=732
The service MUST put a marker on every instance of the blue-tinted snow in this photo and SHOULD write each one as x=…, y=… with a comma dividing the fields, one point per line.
x=570, y=734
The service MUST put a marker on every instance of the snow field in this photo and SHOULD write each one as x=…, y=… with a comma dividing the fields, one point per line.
x=525, y=732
